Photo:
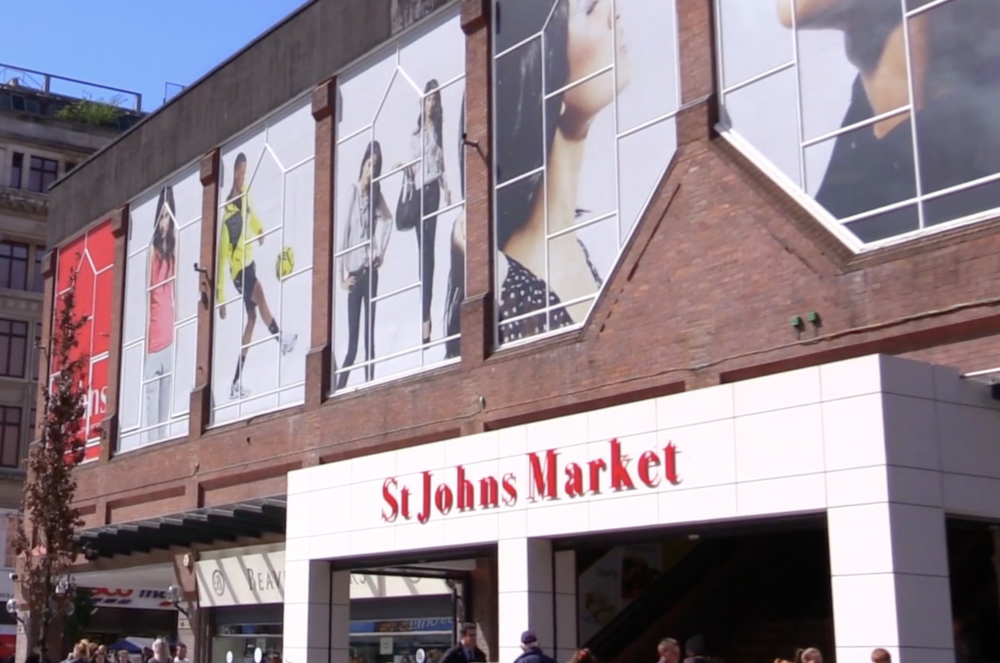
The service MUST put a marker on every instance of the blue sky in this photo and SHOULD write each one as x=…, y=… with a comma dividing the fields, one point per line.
x=137, y=46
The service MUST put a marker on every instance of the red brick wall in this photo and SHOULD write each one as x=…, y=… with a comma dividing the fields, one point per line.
x=704, y=294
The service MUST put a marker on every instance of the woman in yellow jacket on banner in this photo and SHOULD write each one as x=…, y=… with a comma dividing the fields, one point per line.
x=240, y=229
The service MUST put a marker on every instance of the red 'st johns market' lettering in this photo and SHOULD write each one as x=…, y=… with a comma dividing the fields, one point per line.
x=547, y=480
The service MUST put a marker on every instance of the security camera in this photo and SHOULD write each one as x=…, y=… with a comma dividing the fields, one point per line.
x=13, y=576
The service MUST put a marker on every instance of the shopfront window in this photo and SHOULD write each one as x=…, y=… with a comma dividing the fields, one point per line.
x=239, y=643
x=400, y=640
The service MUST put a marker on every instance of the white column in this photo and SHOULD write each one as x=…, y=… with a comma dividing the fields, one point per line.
x=340, y=617
x=307, y=629
x=889, y=567
x=565, y=604
x=524, y=594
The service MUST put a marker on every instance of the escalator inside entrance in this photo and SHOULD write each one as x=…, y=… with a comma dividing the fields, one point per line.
x=752, y=596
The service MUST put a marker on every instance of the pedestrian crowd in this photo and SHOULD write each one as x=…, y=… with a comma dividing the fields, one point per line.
x=86, y=651
x=668, y=650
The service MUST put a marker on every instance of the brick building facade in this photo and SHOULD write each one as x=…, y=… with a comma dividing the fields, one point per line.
x=730, y=274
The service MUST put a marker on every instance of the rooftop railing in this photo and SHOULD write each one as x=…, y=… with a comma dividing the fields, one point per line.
x=19, y=78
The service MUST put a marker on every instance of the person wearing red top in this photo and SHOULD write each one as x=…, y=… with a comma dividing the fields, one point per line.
x=160, y=332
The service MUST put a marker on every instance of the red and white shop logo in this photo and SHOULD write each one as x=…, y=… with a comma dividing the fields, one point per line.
x=118, y=596
x=594, y=478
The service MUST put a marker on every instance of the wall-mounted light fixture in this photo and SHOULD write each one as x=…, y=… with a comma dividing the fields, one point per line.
x=175, y=595
x=14, y=609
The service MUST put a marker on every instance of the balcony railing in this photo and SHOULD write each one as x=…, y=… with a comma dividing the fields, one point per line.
x=61, y=86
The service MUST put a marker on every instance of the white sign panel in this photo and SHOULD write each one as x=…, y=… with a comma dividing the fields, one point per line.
x=259, y=578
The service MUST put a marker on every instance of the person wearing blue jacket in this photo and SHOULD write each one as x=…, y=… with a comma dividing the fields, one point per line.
x=530, y=651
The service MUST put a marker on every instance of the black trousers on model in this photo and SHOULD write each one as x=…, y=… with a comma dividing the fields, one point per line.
x=426, y=232
x=360, y=295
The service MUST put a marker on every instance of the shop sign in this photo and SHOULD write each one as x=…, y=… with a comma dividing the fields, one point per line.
x=254, y=579
x=429, y=625
x=547, y=481
x=121, y=597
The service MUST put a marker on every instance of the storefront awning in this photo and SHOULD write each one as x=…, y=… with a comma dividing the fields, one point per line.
x=251, y=519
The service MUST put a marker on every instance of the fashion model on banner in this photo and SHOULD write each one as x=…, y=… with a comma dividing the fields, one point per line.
x=428, y=145
x=579, y=38
x=240, y=229
x=367, y=232
x=456, y=273
x=161, y=278
x=953, y=70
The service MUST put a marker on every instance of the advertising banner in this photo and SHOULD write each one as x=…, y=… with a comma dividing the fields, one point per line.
x=585, y=98
x=263, y=277
x=399, y=247
x=128, y=597
x=91, y=256
x=160, y=330
x=882, y=111
x=259, y=578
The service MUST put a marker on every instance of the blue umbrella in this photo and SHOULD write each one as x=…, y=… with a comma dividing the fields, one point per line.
x=130, y=647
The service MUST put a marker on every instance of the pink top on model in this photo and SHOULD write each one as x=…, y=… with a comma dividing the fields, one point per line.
x=161, y=304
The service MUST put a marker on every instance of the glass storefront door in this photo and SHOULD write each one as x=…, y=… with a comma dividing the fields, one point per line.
x=247, y=643
x=399, y=640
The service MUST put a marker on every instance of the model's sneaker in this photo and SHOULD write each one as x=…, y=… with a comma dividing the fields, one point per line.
x=238, y=392
x=287, y=342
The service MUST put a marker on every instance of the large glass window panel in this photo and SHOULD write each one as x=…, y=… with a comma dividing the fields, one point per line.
x=519, y=121
x=966, y=202
x=399, y=195
x=185, y=361
x=596, y=192
x=648, y=91
x=295, y=289
x=291, y=136
x=955, y=60
x=440, y=59
x=357, y=100
x=162, y=293
x=188, y=280
x=858, y=171
x=130, y=406
x=828, y=88
x=396, y=321
x=639, y=157
x=578, y=262
x=399, y=364
x=517, y=20
x=135, y=297
x=765, y=114
x=753, y=40
x=883, y=75
x=263, y=267
x=298, y=228
x=260, y=403
x=607, y=69
x=886, y=224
